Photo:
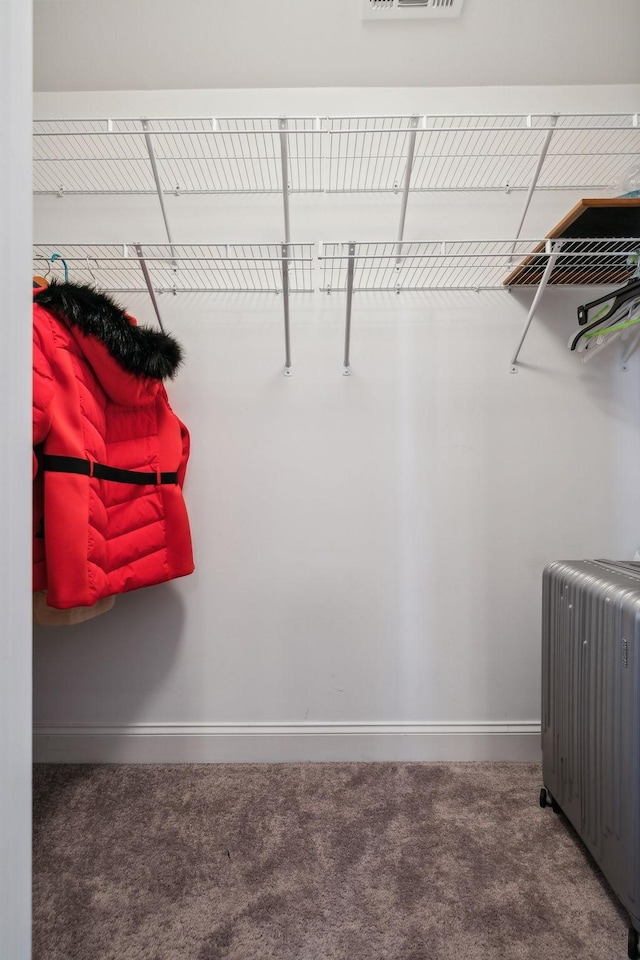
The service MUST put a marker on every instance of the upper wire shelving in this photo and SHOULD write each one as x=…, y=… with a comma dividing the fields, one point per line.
x=480, y=152
x=363, y=154
x=403, y=154
x=177, y=155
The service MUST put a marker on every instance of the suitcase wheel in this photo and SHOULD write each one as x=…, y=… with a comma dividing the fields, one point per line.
x=633, y=951
x=546, y=800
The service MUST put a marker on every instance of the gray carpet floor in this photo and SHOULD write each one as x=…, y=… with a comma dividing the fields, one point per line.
x=388, y=861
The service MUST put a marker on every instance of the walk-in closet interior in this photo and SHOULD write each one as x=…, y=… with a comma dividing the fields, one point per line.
x=398, y=244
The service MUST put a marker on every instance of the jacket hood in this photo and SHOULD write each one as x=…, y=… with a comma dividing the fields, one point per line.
x=140, y=351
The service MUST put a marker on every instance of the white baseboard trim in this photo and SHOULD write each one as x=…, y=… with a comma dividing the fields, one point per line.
x=286, y=742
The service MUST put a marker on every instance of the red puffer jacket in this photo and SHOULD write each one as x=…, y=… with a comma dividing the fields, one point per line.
x=109, y=453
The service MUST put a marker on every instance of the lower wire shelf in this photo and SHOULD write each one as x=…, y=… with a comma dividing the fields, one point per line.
x=350, y=267
x=475, y=265
x=281, y=268
x=182, y=268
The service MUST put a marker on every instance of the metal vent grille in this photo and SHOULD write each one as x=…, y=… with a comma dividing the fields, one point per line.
x=407, y=9
x=428, y=3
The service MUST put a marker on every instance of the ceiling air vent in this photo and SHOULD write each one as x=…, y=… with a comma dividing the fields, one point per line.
x=410, y=9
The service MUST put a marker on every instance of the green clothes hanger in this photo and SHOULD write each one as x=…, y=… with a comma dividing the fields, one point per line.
x=615, y=326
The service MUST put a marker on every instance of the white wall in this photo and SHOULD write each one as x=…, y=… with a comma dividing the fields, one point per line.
x=160, y=44
x=15, y=508
x=369, y=549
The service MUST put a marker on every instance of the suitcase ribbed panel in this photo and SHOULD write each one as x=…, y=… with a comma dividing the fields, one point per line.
x=634, y=655
x=591, y=711
x=570, y=703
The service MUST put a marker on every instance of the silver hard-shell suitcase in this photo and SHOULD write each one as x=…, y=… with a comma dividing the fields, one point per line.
x=591, y=715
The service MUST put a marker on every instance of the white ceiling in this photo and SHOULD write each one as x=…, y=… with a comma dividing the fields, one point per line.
x=205, y=44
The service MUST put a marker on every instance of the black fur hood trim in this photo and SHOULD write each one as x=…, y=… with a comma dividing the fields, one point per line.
x=141, y=351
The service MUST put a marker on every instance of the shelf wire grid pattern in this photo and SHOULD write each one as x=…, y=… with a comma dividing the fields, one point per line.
x=480, y=152
x=180, y=268
x=477, y=264
x=364, y=154
x=193, y=156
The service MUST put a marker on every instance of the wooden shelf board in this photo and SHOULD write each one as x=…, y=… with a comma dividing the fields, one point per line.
x=589, y=219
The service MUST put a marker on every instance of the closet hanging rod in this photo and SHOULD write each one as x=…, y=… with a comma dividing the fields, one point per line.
x=566, y=123
x=210, y=125
x=529, y=118
x=452, y=130
x=213, y=268
x=93, y=253
x=219, y=259
x=157, y=132
x=445, y=246
x=438, y=123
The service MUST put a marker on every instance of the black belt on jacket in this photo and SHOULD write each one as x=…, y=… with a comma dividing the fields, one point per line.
x=100, y=470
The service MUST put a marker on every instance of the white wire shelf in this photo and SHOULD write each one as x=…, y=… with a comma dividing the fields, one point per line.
x=476, y=264
x=385, y=266
x=362, y=154
x=480, y=152
x=180, y=268
x=193, y=155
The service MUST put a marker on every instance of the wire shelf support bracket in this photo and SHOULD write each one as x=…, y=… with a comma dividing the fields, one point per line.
x=285, y=300
x=284, y=160
x=536, y=174
x=411, y=146
x=552, y=251
x=347, y=333
x=147, y=280
x=156, y=177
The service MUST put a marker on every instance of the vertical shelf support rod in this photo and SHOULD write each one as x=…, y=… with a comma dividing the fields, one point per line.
x=145, y=273
x=552, y=250
x=285, y=294
x=347, y=335
x=536, y=175
x=156, y=177
x=407, y=183
x=284, y=157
